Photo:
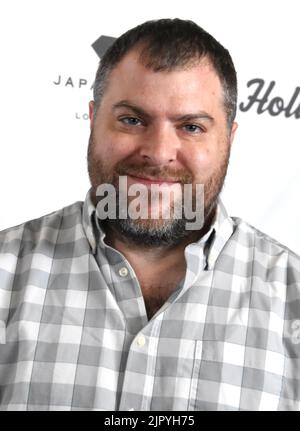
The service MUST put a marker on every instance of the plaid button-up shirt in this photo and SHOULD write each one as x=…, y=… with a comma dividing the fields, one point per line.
x=74, y=333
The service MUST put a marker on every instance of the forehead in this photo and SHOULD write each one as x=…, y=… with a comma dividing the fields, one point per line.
x=191, y=88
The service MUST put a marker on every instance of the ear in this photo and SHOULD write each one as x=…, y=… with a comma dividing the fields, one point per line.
x=91, y=112
x=232, y=132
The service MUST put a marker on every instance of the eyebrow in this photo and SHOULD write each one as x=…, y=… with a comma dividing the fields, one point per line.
x=140, y=111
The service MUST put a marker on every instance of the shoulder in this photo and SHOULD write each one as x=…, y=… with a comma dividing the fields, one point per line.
x=44, y=228
x=268, y=255
x=27, y=254
x=261, y=240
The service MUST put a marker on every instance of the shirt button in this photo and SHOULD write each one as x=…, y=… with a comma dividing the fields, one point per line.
x=141, y=341
x=123, y=271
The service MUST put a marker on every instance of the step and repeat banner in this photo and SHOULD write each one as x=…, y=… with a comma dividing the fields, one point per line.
x=49, y=55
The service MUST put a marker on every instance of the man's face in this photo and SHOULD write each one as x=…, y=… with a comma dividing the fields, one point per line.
x=159, y=127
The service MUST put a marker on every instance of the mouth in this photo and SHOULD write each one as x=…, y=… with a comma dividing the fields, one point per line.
x=150, y=180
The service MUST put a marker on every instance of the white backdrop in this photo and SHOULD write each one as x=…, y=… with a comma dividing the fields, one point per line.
x=44, y=133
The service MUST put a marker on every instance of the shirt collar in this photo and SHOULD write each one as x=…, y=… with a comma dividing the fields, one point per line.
x=215, y=238
x=223, y=229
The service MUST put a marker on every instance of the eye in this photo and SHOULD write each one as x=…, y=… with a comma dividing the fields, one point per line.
x=193, y=128
x=131, y=121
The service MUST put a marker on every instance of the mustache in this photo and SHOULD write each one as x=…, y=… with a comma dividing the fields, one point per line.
x=164, y=173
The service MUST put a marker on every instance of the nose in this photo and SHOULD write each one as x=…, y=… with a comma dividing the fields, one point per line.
x=160, y=146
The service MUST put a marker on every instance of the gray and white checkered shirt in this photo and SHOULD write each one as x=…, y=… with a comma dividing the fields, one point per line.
x=74, y=333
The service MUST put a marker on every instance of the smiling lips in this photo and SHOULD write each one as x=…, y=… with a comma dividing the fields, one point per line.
x=149, y=180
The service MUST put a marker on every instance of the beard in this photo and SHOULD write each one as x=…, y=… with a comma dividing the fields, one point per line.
x=154, y=232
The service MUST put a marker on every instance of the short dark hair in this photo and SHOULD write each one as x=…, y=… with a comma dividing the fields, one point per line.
x=168, y=44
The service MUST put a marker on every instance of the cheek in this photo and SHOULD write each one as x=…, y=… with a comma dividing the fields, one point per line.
x=206, y=158
x=111, y=148
x=202, y=163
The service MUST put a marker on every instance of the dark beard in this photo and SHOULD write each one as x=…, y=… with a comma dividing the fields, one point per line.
x=154, y=233
x=169, y=234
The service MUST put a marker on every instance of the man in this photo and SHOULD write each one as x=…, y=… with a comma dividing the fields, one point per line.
x=142, y=313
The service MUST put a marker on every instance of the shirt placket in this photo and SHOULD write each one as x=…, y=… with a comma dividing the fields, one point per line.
x=139, y=374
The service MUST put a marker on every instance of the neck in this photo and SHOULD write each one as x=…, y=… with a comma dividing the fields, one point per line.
x=159, y=270
x=125, y=246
